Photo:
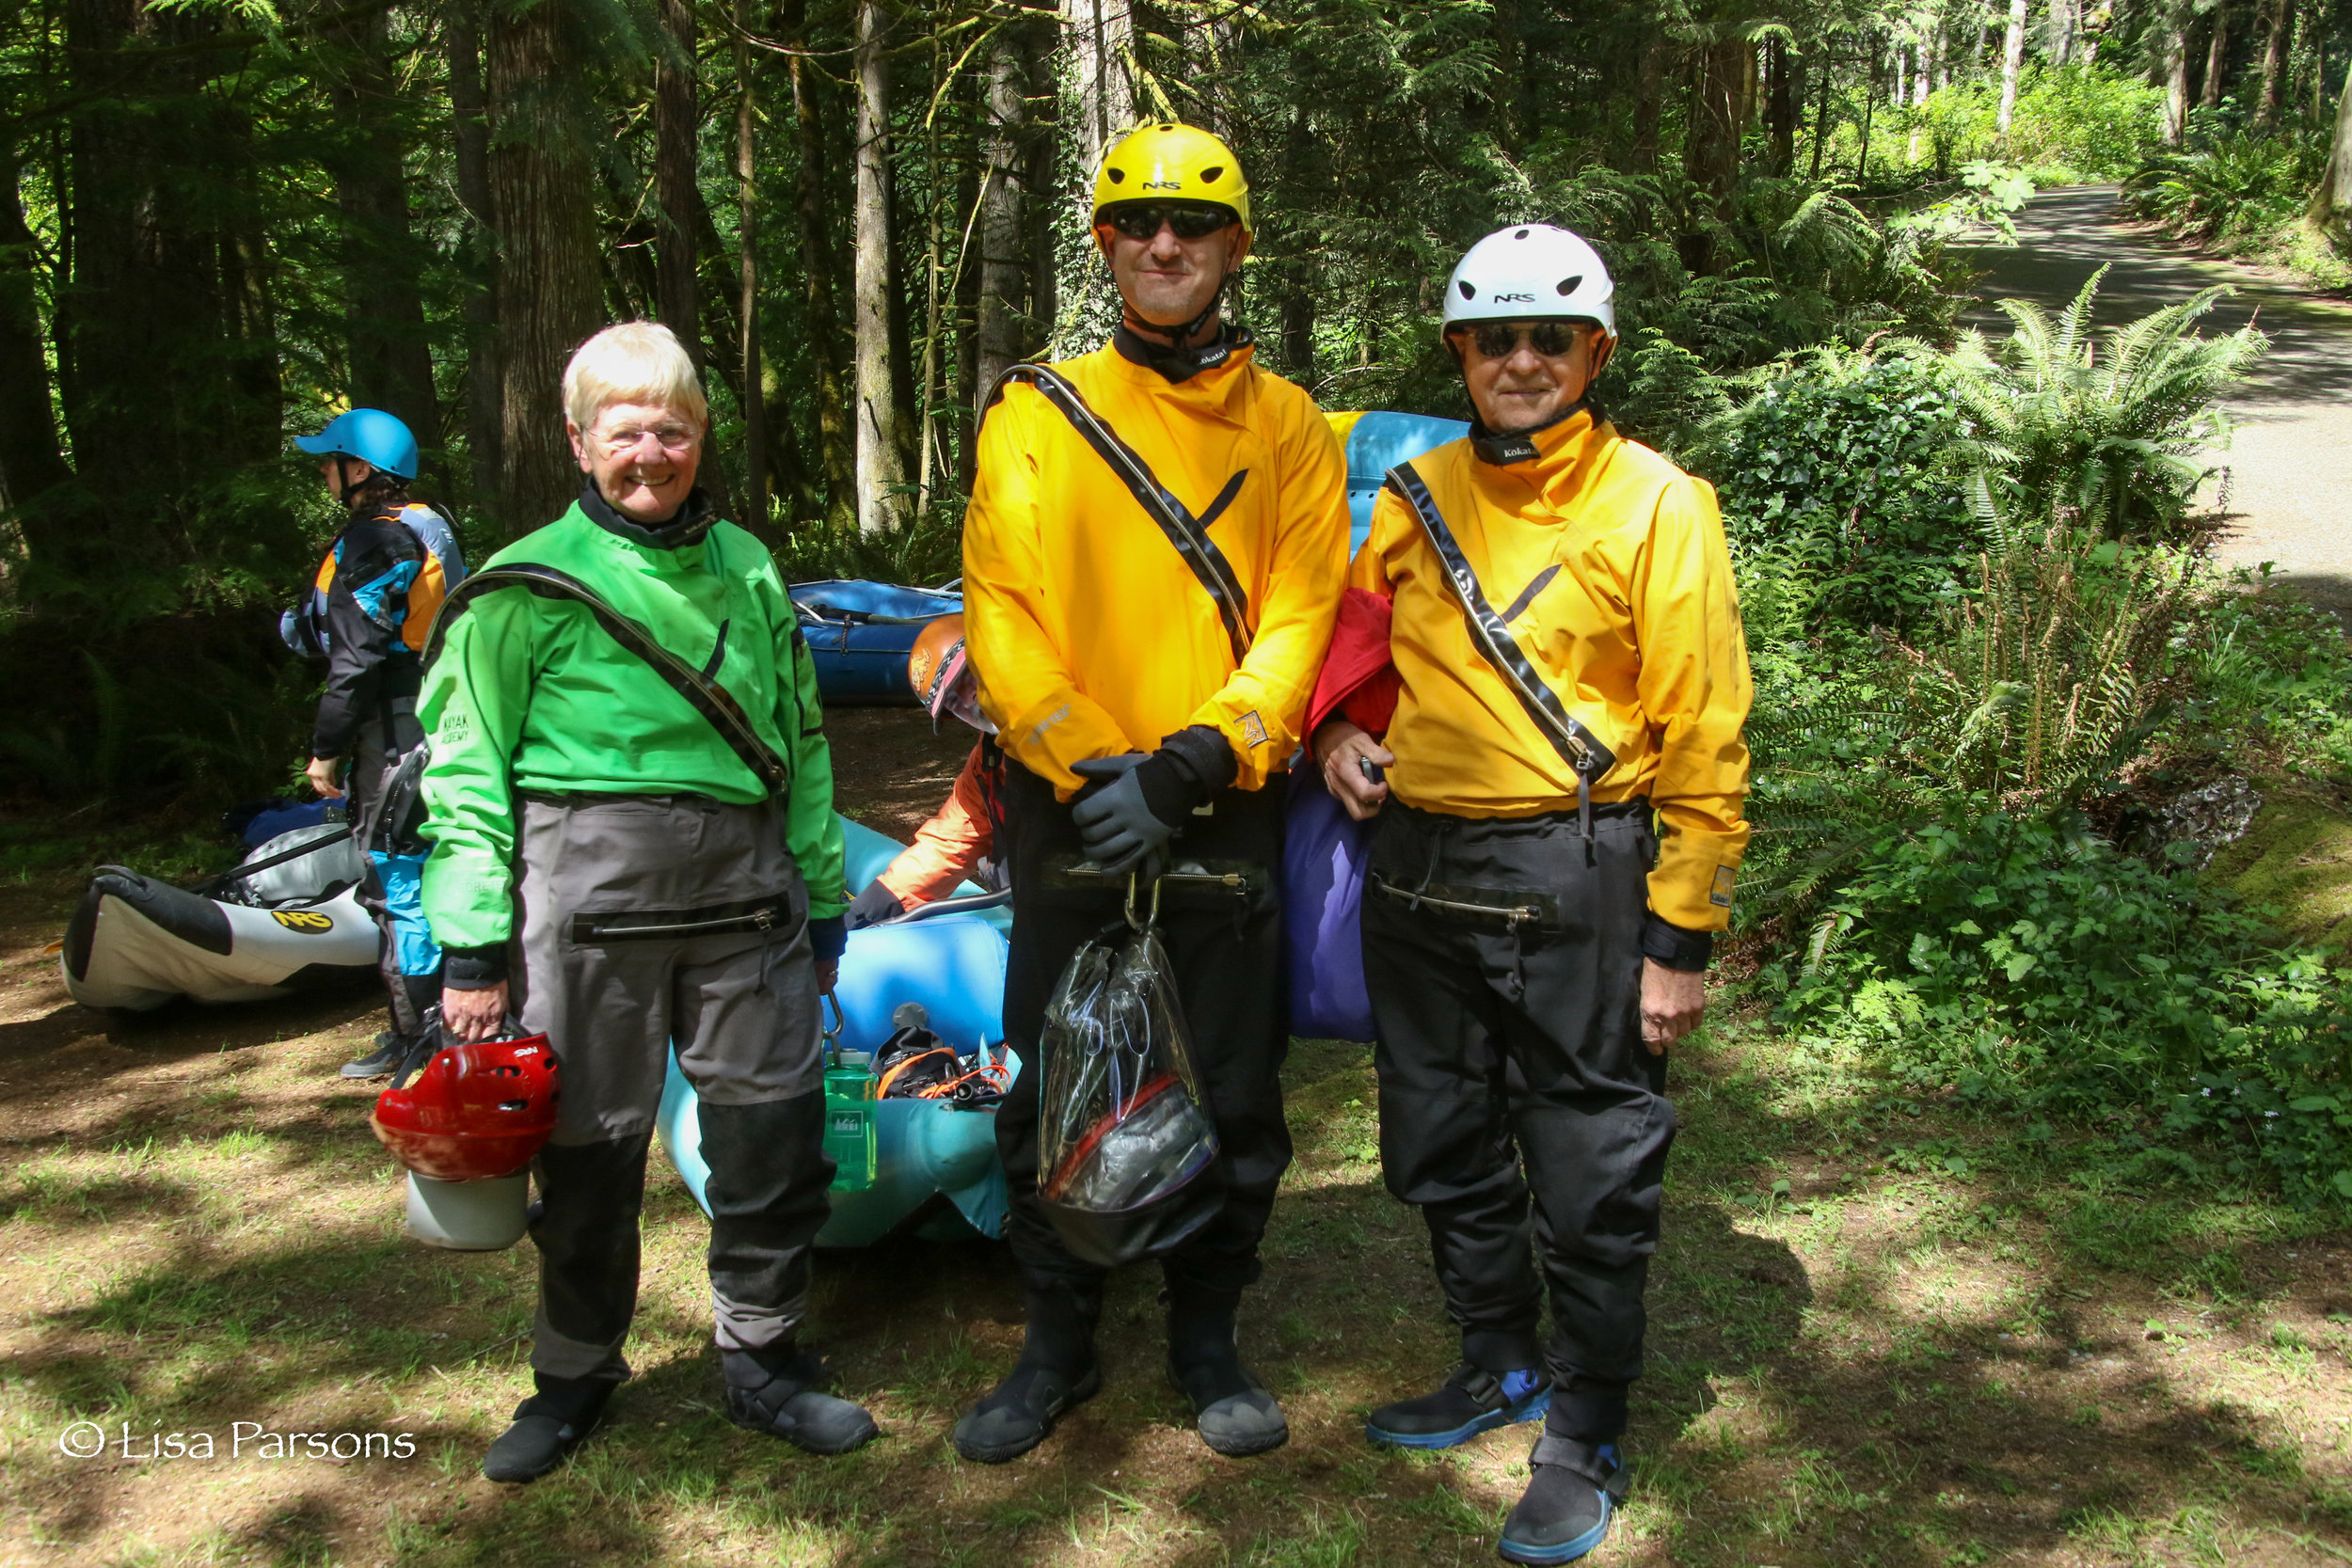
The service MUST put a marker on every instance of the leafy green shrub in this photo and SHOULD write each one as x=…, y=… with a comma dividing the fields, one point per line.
x=2241, y=189
x=2037, y=968
x=1844, y=495
x=2112, y=431
x=2050, y=676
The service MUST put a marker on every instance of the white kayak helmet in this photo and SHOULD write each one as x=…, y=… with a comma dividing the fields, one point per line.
x=1531, y=272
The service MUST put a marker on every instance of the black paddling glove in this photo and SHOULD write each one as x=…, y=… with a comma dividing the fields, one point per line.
x=1186, y=772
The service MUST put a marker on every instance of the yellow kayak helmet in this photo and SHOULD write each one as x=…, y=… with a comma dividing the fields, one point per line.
x=1167, y=161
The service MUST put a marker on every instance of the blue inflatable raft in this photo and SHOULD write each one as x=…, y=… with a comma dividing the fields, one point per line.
x=861, y=634
x=1378, y=441
x=954, y=965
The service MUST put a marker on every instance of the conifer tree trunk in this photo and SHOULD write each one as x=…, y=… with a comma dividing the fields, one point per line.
x=550, y=293
x=2217, y=59
x=880, y=465
x=675, y=120
x=2174, y=45
x=1098, y=96
x=391, y=365
x=1004, y=200
x=31, y=464
x=837, y=439
x=2012, y=62
x=2331, y=203
x=2274, y=61
x=471, y=120
x=1649, y=102
x=751, y=399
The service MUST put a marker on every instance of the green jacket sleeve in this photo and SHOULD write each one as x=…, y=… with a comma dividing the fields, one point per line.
x=812, y=831
x=472, y=706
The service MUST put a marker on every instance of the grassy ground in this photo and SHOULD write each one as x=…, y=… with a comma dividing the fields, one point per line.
x=1884, y=1332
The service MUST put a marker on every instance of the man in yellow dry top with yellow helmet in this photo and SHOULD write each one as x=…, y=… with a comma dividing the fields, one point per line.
x=1151, y=560
x=1567, y=775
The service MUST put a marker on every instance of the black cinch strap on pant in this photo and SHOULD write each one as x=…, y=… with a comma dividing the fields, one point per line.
x=1227, y=952
x=1518, y=1108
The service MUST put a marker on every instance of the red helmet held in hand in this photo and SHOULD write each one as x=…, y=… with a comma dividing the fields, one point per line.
x=476, y=1111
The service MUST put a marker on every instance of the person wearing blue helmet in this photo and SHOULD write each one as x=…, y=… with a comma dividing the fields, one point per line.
x=366, y=615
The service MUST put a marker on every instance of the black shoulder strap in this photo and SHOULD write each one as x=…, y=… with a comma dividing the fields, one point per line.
x=706, y=696
x=1188, y=534
x=1491, y=634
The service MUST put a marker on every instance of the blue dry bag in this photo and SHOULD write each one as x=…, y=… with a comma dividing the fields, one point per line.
x=1324, y=854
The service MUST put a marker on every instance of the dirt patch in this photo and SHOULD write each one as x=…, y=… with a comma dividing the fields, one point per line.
x=890, y=769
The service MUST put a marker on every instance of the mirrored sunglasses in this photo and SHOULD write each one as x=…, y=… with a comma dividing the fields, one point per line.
x=1502, y=340
x=1186, y=220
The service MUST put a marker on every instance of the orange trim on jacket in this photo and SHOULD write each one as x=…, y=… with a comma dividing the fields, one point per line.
x=948, y=847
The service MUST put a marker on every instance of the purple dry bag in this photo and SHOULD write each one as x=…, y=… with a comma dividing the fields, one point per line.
x=1324, y=854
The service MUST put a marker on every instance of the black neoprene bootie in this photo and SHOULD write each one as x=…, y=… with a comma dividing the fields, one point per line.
x=1056, y=1370
x=1235, y=1415
x=1470, y=1400
x=547, y=1426
x=389, y=1047
x=1564, y=1512
x=779, y=1391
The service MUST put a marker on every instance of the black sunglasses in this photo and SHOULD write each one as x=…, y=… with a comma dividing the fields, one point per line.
x=1188, y=220
x=1502, y=340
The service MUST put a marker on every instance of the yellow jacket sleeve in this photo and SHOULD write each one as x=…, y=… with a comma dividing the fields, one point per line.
x=1043, y=720
x=1260, y=708
x=1696, y=690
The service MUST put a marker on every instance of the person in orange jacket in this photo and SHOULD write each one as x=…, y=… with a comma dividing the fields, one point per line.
x=959, y=843
x=1147, y=643
x=1559, y=790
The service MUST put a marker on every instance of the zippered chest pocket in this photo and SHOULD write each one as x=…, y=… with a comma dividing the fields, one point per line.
x=592, y=927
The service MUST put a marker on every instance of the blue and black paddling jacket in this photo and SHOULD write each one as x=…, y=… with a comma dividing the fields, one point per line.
x=367, y=613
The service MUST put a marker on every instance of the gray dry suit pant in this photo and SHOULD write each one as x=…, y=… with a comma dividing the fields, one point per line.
x=1511, y=1066
x=648, y=920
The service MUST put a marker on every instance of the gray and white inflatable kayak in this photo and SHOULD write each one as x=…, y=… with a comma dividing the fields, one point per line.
x=296, y=926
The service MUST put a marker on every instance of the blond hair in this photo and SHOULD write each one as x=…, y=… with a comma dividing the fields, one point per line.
x=631, y=362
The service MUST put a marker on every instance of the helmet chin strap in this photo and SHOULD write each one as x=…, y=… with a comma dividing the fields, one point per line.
x=1182, y=335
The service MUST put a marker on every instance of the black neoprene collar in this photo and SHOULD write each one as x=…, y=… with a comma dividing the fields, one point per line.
x=1180, y=364
x=1504, y=448
x=686, y=525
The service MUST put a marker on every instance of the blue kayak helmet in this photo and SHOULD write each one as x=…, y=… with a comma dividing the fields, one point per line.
x=369, y=435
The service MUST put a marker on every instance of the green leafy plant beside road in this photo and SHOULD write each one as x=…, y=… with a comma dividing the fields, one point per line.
x=1989, y=648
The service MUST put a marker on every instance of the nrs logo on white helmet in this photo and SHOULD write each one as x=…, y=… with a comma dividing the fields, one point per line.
x=1531, y=272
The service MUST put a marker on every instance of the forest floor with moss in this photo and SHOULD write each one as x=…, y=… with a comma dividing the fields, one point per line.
x=1885, y=1330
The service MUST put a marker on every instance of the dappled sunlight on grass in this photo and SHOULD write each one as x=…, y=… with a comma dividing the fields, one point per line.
x=1884, y=1332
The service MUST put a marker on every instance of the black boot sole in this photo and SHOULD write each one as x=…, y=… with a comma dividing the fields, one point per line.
x=1083, y=1390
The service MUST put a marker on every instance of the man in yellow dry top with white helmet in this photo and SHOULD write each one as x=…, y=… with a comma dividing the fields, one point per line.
x=1568, y=772
x=1146, y=691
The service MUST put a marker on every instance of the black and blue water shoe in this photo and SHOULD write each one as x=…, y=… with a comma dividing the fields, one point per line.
x=1564, y=1512
x=1472, y=1401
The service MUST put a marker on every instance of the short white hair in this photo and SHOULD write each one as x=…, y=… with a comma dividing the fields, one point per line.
x=631, y=362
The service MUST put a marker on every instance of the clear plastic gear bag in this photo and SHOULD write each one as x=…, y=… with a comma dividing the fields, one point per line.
x=1127, y=1156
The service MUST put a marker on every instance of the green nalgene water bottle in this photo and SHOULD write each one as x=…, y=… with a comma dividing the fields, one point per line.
x=850, y=1125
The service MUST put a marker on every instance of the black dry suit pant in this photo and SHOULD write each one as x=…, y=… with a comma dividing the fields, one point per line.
x=651, y=923
x=1225, y=946
x=1512, y=1067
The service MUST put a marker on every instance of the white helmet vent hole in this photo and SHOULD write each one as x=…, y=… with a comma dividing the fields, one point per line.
x=1520, y=235
x=1467, y=293
x=1569, y=285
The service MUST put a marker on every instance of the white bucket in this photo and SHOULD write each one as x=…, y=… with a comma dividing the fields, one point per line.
x=468, y=1216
